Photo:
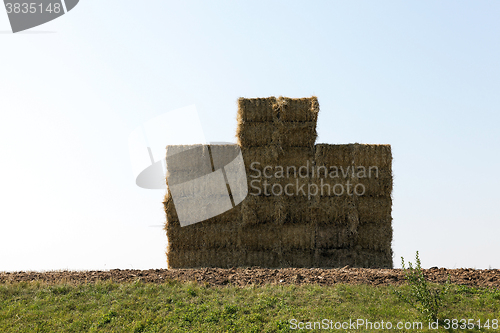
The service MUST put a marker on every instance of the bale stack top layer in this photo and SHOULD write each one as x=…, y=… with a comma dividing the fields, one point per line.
x=279, y=122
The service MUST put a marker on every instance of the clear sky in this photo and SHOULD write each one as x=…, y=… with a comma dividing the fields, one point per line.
x=423, y=76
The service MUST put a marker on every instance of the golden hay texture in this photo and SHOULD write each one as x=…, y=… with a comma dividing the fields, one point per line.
x=257, y=158
x=285, y=122
x=367, y=168
x=220, y=231
x=256, y=109
x=255, y=134
x=295, y=134
x=354, y=154
x=259, y=210
x=336, y=210
x=297, y=109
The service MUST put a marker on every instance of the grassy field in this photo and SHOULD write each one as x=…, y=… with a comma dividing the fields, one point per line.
x=188, y=307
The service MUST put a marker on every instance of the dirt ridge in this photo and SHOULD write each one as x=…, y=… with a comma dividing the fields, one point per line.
x=257, y=276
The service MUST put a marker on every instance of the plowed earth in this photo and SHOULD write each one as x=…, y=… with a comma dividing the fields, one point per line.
x=259, y=276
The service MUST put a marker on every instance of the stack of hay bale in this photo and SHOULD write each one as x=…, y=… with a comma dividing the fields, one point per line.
x=213, y=242
x=271, y=228
x=276, y=229
x=353, y=228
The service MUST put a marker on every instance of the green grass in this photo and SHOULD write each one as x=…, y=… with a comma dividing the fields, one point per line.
x=188, y=307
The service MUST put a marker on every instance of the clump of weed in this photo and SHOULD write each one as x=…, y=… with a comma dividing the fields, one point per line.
x=422, y=296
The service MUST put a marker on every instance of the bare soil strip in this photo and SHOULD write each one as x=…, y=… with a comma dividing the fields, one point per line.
x=259, y=276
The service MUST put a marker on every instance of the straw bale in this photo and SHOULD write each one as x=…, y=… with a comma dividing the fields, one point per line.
x=255, y=134
x=363, y=166
x=373, y=155
x=374, y=259
x=265, y=236
x=295, y=210
x=194, y=158
x=264, y=186
x=257, y=158
x=298, y=157
x=338, y=258
x=260, y=258
x=334, y=258
x=334, y=236
x=373, y=209
x=224, y=154
x=354, y=154
x=332, y=210
x=297, y=237
x=172, y=217
x=351, y=210
x=229, y=159
x=376, y=235
x=218, y=232
x=331, y=187
x=194, y=209
x=295, y=134
x=256, y=109
x=298, y=109
x=297, y=258
x=260, y=210
x=204, y=258
x=212, y=184
x=375, y=186
x=333, y=155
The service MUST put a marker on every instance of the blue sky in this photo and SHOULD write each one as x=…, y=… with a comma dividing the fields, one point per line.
x=422, y=76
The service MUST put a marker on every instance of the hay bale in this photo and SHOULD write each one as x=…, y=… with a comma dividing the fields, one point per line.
x=297, y=258
x=337, y=258
x=269, y=259
x=294, y=210
x=333, y=210
x=264, y=186
x=255, y=134
x=211, y=234
x=354, y=154
x=256, y=109
x=297, y=109
x=257, y=210
x=204, y=258
x=297, y=237
x=295, y=134
x=334, y=236
x=224, y=154
x=375, y=186
x=334, y=258
x=217, y=232
x=333, y=155
x=373, y=209
x=230, y=159
x=264, y=236
x=374, y=259
x=375, y=235
x=184, y=158
x=257, y=158
x=296, y=158
x=365, y=169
